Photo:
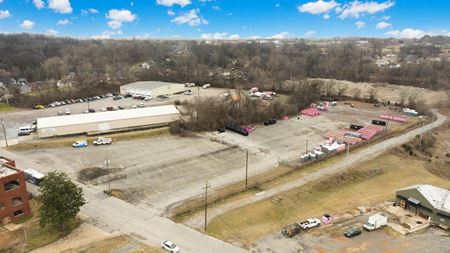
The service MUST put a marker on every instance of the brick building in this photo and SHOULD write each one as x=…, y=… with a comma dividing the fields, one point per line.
x=13, y=192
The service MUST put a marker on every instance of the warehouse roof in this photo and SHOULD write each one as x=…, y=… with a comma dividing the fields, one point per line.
x=438, y=197
x=148, y=84
x=99, y=117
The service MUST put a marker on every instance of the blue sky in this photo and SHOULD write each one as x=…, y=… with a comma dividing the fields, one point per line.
x=226, y=19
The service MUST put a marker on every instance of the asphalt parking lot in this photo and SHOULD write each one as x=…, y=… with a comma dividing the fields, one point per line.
x=167, y=169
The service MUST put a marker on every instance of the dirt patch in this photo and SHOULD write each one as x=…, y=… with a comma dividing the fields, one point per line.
x=349, y=176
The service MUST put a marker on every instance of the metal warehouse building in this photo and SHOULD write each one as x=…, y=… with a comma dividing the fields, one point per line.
x=427, y=201
x=152, y=88
x=106, y=121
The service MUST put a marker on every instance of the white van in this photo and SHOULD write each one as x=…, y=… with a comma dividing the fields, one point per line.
x=26, y=130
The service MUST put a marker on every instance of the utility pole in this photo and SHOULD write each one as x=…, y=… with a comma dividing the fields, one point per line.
x=348, y=148
x=4, y=131
x=206, y=204
x=107, y=162
x=306, y=152
x=246, y=170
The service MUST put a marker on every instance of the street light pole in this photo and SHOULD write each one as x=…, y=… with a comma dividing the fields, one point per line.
x=206, y=204
x=4, y=132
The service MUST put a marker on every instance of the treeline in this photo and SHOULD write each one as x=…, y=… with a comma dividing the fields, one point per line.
x=104, y=65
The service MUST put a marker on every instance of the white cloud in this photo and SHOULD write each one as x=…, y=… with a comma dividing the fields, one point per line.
x=216, y=8
x=170, y=3
x=318, y=7
x=192, y=17
x=4, y=14
x=60, y=6
x=357, y=8
x=39, y=4
x=170, y=13
x=383, y=25
x=214, y=36
x=89, y=11
x=386, y=18
x=256, y=37
x=63, y=22
x=407, y=33
x=311, y=33
x=27, y=24
x=326, y=16
x=220, y=36
x=360, y=25
x=118, y=17
x=277, y=5
x=51, y=32
x=281, y=36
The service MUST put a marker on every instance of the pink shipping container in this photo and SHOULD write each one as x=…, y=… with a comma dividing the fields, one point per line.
x=310, y=112
x=394, y=118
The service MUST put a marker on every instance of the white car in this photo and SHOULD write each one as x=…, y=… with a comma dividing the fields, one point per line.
x=141, y=105
x=103, y=109
x=133, y=106
x=147, y=98
x=102, y=141
x=67, y=111
x=170, y=247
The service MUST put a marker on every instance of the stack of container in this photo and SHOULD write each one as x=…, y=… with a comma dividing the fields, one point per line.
x=335, y=134
x=310, y=112
x=369, y=131
x=333, y=147
x=394, y=118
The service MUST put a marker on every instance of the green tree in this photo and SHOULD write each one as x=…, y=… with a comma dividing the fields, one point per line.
x=60, y=200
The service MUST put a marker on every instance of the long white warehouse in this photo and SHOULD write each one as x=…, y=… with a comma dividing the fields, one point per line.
x=106, y=121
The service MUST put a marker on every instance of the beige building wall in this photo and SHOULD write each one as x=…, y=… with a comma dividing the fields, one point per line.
x=107, y=125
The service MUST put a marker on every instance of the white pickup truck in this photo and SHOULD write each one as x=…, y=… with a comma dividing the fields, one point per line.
x=310, y=223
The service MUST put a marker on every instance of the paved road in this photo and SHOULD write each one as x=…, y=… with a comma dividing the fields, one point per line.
x=357, y=157
x=112, y=214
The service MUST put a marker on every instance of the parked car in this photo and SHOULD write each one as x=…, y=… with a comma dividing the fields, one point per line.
x=352, y=232
x=110, y=108
x=188, y=92
x=170, y=247
x=141, y=105
x=80, y=144
x=103, y=109
x=133, y=106
x=60, y=113
x=38, y=107
x=85, y=111
x=121, y=107
x=221, y=130
x=67, y=111
x=117, y=97
x=102, y=141
x=91, y=110
x=147, y=98
x=310, y=223
x=108, y=95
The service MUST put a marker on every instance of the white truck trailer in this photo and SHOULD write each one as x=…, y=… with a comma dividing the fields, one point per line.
x=375, y=221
